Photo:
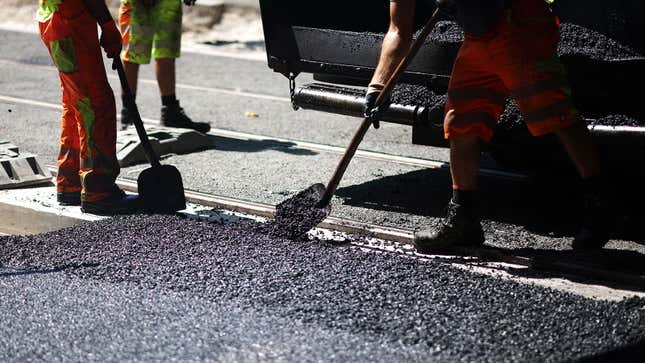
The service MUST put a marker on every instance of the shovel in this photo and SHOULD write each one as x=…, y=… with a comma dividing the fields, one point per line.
x=299, y=214
x=160, y=187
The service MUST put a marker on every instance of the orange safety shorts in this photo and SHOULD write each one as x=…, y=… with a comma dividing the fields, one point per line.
x=87, y=160
x=517, y=59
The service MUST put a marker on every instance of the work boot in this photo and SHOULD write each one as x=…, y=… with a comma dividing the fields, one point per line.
x=460, y=228
x=117, y=203
x=69, y=198
x=126, y=119
x=174, y=116
x=597, y=222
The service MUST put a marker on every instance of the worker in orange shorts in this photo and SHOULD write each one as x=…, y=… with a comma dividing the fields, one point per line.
x=509, y=49
x=87, y=164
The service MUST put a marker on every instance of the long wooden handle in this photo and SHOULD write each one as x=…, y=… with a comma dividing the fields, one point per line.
x=134, y=113
x=365, y=125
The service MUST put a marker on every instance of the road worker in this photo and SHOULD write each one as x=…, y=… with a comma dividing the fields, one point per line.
x=509, y=50
x=87, y=164
x=152, y=29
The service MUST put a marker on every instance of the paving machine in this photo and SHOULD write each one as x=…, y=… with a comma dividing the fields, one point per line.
x=339, y=43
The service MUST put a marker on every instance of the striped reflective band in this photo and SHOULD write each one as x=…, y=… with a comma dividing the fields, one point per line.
x=465, y=94
x=472, y=118
x=559, y=109
x=557, y=83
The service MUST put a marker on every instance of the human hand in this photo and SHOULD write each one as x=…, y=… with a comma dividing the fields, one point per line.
x=110, y=39
x=372, y=111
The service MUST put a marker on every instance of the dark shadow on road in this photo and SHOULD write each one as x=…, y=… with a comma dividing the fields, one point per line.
x=545, y=205
x=620, y=269
x=253, y=146
x=631, y=353
x=44, y=271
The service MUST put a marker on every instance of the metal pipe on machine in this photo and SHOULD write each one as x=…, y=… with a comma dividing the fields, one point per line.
x=351, y=102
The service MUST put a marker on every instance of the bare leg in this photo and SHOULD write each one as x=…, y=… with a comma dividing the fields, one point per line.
x=464, y=162
x=579, y=145
x=132, y=74
x=165, y=72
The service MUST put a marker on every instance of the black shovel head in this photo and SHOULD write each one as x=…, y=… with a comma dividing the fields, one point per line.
x=161, y=189
x=297, y=215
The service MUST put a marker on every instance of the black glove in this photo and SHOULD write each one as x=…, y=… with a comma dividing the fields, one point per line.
x=190, y=2
x=447, y=8
x=371, y=111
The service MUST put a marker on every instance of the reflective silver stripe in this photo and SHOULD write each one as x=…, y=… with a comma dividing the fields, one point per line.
x=464, y=94
x=540, y=87
x=555, y=110
x=471, y=118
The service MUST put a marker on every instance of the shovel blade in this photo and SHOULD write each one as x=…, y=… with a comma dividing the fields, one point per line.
x=299, y=214
x=161, y=189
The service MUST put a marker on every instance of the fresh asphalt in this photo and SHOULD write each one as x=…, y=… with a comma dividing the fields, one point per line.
x=519, y=215
x=160, y=288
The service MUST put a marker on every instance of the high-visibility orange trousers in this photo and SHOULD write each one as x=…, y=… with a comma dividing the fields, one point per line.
x=87, y=159
x=518, y=58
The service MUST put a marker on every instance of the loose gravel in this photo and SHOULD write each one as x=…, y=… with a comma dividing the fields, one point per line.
x=575, y=41
x=425, y=306
x=297, y=215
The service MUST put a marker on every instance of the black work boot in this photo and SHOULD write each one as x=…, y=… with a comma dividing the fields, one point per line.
x=173, y=115
x=69, y=198
x=126, y=119
x=597, y=222
x=117, y=203
x=460, y=228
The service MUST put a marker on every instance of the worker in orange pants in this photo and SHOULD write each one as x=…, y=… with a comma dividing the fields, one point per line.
x=510, y=49
x=87, y=164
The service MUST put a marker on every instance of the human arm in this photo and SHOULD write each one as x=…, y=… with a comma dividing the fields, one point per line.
x=396, y=44
x=110, y=36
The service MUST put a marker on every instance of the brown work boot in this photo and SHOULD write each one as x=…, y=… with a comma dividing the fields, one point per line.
x=115, y=204
x=460, y=228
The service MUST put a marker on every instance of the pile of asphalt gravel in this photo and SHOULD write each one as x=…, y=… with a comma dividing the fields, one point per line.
x=581, y=41
x=447, y=313
x=445, y=32
x=575, y=41
x=297, y=215
x=410, y=94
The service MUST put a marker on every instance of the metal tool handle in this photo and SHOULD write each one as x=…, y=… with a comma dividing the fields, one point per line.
x=367, y=122
x=134, y=112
